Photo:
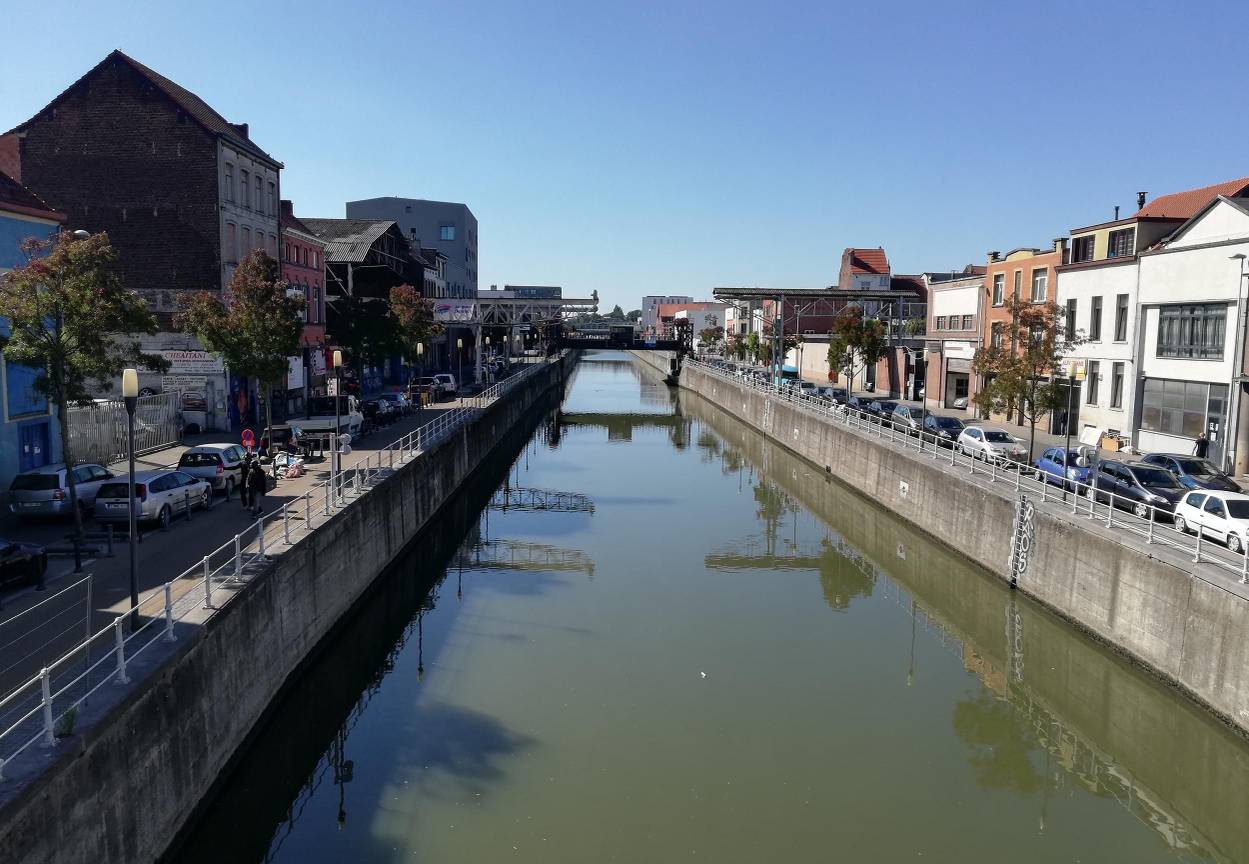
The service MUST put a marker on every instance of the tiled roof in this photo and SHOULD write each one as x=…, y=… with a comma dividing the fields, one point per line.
x=868, y=261
x=16, y=198
x=348, y=239
x=291, y=222
x=908, y=283
x=1182, y=205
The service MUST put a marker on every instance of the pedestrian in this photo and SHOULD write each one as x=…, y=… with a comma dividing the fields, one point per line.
x=256, y=483
x=245, y=483
x=1202, y=445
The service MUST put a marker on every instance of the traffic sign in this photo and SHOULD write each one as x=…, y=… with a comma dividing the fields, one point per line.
x=249, y=439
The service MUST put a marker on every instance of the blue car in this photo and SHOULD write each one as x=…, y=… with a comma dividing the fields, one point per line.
x=1058, y=466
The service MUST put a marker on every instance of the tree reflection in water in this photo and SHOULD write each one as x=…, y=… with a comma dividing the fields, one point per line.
x=1001, y=742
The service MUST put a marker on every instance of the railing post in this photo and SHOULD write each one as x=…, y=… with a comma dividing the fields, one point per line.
x=208, y=584
x=260, y=536
x=45, y=686
x=993, y=469
x=307, y=511
x=1197, y=552
x=169, y=637
x=286, y=523
x=238, y=557
x=1153, y=513
x=1092, y=496
x=1244, y=563
x=1075, y=496
x=120, y=641
x=1018, y=475
x=1045, y=487
x=390, y=455
x=1110, y=510
x=326, y=484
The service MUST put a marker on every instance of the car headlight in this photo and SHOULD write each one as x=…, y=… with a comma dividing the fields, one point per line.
x=1157, y=499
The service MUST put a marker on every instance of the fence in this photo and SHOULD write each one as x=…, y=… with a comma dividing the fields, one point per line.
x=97, y=433
x=1080, y=503
x=45, y=707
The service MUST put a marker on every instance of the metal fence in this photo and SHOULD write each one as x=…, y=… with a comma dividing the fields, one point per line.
x=97, y=433
x=44, y=708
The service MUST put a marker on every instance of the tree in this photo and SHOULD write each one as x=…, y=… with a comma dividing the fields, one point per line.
x=855, y=341
x=254, y=324
x=73, y=321
x=1019, y=362
x=752, y=346
x=365, y=329
x=413, y=319
x=634, y=315
x=709, y=336
x=616, y=313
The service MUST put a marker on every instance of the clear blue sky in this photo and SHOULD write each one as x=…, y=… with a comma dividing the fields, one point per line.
x=672, y=147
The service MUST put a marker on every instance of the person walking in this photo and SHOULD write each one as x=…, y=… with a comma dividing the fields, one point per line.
x=245, y=483
x=1202, y=446
x=256, y=483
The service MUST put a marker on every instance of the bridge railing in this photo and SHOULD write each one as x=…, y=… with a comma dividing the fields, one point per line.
x=44, y=708
x=1080, y=503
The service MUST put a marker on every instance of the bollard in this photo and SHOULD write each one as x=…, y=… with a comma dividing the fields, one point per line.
x=286, y=524
x=120, y=642
x=108, y=537
x=208, y=587
x=49, y=734
x=169, y=637
x=238, y=557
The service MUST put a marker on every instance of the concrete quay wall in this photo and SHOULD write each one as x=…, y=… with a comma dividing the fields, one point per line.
x=1190, y=630
x=126, y=786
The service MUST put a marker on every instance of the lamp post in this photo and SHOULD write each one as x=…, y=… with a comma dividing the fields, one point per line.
x=130, y=395
x=487, y=351
x=420, y=373
x=459, y=363
x=338, y=394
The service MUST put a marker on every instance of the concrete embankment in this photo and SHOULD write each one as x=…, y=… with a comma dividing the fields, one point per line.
x=132, y=780
x=1191, y=631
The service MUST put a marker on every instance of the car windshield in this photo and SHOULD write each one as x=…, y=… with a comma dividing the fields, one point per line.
x=1198, y=467
x=34, y=482
x=114, y=490
x=945, y=422
x=888, y=406
x=1155, y=478
x=1237, y=508
x=198, y=460
x=997, y=437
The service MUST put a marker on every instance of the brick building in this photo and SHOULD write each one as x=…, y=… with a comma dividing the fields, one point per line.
x=303, y=268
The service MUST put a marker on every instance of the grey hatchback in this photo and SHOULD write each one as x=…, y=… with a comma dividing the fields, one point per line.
x=219, y=464
x=45, y=491
x=159, y=494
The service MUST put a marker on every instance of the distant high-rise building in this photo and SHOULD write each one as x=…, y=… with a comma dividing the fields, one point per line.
x=448, y=227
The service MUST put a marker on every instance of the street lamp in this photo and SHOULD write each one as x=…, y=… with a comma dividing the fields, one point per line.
x=420, y=373
x=130, y=395
x=338, y=395
x=459, y=363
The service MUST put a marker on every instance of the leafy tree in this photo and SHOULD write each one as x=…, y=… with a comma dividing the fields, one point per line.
x=1019, y=362
x=365, y=329
x=710, y=335
x=634, y=315
x=616, y=313
x=413, y=319
x=752, y=346
x=73, y=321
x=855, y=342
x=254, y=324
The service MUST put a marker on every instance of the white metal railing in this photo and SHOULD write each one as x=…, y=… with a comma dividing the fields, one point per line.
x=1081, y=503
x=34, y=713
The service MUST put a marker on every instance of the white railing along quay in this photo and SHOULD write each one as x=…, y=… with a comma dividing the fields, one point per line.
x=1080, y=503
x=34, y=713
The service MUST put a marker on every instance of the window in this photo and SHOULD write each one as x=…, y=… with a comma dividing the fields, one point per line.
x=1040, y=281
x=315, y=265
x=229, y=196
x=273, y=245
x=1180, y=407
x=1082, y=248
x=998, y=289
x=245, y=189
x=940, y=322
x=1095, y=319
x=316, y=304
x=1069, y=326
x=966, y=322
x=1116, y=385
x=24, y=398
x=995, y=338
x=1214, y=507
x=231, y=252
x=446, y=232
x=1121, y=318
x=273, y=198
x=1018, y=287
x=1090, y=383
x=247, y=241
x=1194, y=332
x=1122, y=243
x=260, y=202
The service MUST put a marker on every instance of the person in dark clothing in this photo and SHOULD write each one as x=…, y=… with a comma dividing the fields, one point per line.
x=256, y=484
x=1202, y=446
x=245, y=483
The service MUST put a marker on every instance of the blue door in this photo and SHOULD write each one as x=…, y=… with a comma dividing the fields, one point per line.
x=33, y=446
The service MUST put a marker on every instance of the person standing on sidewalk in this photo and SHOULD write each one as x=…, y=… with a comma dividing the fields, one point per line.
x=256, y=482
x=245, y=481
x=1202, y=446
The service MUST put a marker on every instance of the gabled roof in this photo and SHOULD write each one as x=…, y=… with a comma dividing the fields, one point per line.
x=1241, y=204
x=872, y=261
x=194, y=107
x=1184, y=205
x=348, y=240
x=16, y=198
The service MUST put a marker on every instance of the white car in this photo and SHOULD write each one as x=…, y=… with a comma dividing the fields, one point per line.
x=1221, y=515
x=447, y=384
x=985, y=442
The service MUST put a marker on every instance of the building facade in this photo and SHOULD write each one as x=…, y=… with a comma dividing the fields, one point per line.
x=954, y=310
x=449, y=227
x=650, y=308
x=302, y=255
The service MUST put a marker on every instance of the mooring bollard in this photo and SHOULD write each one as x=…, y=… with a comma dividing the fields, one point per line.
x=208, y=588
x=120, y=642
x=169, y=637
x=45, y=685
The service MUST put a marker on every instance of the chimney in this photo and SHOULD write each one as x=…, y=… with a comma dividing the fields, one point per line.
x=1060, y=244
x=1116, y=213
x=288, y=209
x=1140, y=200
x=243, y=129
x=993, y=257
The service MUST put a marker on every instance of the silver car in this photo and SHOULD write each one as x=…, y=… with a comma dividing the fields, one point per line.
x=219, y=464
x=158, y=496
x=985, y=442
x=45, y=491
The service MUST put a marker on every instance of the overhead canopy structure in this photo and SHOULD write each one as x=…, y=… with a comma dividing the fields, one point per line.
x=798, y=303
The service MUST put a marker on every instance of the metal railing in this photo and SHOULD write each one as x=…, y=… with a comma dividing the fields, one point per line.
x=1079, y=502
x=45, y=707
x=98, y=433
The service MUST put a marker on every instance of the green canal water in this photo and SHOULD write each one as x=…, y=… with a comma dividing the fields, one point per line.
x=651, y=636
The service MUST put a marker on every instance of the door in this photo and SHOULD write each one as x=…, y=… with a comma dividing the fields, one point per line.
x=1214, y=518
x=33, y=446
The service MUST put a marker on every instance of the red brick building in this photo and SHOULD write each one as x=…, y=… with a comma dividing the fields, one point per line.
x=303, y=268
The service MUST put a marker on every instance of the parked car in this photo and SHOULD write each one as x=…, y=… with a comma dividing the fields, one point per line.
x=1136, y=486
x=807, y=388
x=836, y=395
x=21, y=562
x=219, y=464
x=1215, y=513
x=985, y=442
x=399, y=402
x=1193, y=472
x=881, y=410
x=377, y=412
x=1057, y=465
x=45, y=491
x=945, y=429
x=858, y=407
x=908, y=419
x=446, y=381
x=158, y=495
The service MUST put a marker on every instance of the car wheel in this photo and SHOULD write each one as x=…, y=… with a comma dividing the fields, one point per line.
x=1181, y=525
x=1140, y=510
x=164, y=516
x=1235, y=544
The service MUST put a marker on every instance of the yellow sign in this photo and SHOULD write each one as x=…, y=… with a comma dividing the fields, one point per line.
x=1075, y=369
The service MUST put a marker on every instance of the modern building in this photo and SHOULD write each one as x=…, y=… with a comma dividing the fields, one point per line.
x=182, y=192
x=28, y=436
x=1191, y=345
x=650, y=308
x=954, y=308
x=667, y=314
x=303, y=268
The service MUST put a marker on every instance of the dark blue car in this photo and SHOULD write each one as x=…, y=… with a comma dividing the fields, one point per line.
x=1059, y=466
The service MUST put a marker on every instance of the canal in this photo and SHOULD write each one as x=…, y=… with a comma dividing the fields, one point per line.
x=649, y=635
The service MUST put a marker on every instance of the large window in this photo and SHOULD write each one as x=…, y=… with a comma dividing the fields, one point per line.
x=1040, y=281
x=995, y=336
x=1069, y=326
x=273, y=198
x=260, y=201
x=1194, y=332
x=1082, y=249
x=1116, y=385
x=1095, y=319
x=232, y=244
x=1091, y=381
x=1122, y=243
x=940, y=322
x=999, y=289
x=446, y=232
x=245, y=189
x=1018, y=284
x=229, y=182
x=1121, y=318
x=1180, y=407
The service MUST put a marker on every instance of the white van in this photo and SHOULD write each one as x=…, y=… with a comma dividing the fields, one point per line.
x=447, y=384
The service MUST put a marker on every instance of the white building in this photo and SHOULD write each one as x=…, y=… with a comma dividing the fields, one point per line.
x=250, y=208
x=953, y=336
x=1191, y=346
x=650, y=306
